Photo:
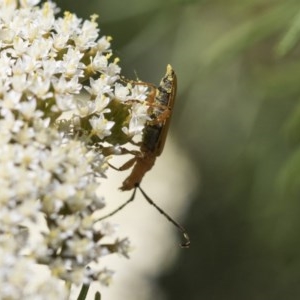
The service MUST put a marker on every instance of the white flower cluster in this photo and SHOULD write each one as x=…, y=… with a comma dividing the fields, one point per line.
x=50, y=166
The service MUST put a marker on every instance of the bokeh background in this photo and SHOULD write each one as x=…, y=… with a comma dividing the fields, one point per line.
x=237, y=118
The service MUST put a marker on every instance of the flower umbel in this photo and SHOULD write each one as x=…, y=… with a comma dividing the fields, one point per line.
x=51, y=142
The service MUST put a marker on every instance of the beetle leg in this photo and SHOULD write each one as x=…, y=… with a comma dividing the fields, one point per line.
x=161, y=117
x=125, y=166
x=106, y=151
x=159, y=112
x=120, y=207
x=135, y=143
x=126, y=151
x=128, y=164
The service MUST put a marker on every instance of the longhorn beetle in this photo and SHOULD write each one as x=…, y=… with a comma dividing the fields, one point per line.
x=161, y=102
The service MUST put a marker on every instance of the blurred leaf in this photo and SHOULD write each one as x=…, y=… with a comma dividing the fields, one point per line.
x=291, y=38
x=289, y=177
x=292, y=127
x=253, y=29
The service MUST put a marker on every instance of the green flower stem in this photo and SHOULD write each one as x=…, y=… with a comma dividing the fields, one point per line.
x=83, y=292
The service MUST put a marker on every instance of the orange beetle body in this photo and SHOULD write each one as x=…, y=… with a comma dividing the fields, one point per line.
x=161, y=102
x=155, y=132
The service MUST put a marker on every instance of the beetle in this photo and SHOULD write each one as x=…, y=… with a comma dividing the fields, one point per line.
x=161, y=102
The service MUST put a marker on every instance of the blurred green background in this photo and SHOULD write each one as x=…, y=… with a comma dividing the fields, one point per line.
x=238, y=118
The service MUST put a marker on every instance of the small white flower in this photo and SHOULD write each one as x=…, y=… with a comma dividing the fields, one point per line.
x=5, y=66
x=113, y=71
x=101, y=103
x=105, y=276
x=103, y=44
x=64, y=102
x=49, y=67
x=71, y=63
x=25, y=135
x=28, y=109
x=68, y=225
x=60, y=40
x=63, y=86
x=88, y=35
x=99, y=86
x=123, y=247
x=40, y=87
x=20, y=82
x=10, y=100
x=107, y=228
x=85, y=107
x=40, y=49
x=140, y=116
x=99, y=63
x=69, y=24
x=121, y=92
x=139, y=92
x=26, y=64
x=20, y=45
x=101, y=126
x=29, y=3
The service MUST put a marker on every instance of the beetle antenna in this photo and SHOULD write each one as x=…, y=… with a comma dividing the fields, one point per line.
x=120, y=207
x=187, y=241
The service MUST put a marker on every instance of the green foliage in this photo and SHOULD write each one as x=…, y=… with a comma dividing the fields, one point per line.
x=290, y=175
x=291, y=38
